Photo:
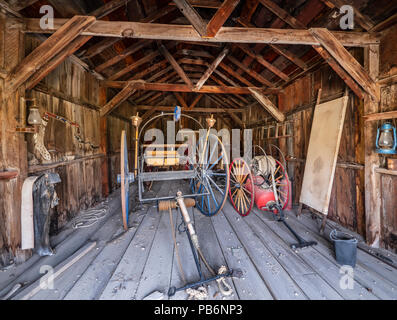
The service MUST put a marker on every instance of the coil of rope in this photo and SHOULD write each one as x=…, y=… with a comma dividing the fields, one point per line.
x=89, y=217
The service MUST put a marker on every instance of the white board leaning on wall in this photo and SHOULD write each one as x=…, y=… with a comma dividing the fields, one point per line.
x=322, y=154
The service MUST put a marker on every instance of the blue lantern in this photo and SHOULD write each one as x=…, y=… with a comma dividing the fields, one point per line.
x=386, y=139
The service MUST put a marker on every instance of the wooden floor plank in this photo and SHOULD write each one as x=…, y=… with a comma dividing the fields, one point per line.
x=251, y=285
x=30, y=271
x=365, y=260
x=304, y=275
x=125, y=279
x=326, y=268
x=210, y=248
x=95, y=278
x=272, y=272
x=375, y=284
x=156, y=275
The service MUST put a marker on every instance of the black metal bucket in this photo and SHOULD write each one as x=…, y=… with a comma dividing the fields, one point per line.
x=345, y=248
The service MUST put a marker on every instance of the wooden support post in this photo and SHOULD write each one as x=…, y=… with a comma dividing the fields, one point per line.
x=104, y=145
x=267, y=104
x=372, y=179
x=13, y=154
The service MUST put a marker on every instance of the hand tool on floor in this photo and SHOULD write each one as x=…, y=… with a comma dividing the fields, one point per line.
x=187, y=226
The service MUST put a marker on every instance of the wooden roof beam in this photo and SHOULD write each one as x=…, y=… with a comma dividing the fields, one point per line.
x=148, y=57
x=235, y=118
x=195, y=101
x=152, y=68
x=108, y=8
x=340, y=71
x=241, y=98
x=220, y=17
x=211, y=68
x=175, y=64
x=148, y=86
x=159, y=13
x=19, y=5
x=127, y=52
x=191, y=14
x=119, y=98
x=282, y=14
x=174, y=32
x=251, y=72
x=259, y=58
x=40, y=56
x=236, y=75
x=211, y=4
x=198, y=110
x=264, y=101
x=290, y=56
x=98, y=48
x=181, y=100
x=347, y=61
x=248, y=10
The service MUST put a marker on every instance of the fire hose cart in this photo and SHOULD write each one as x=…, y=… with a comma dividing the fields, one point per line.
x=262, y=182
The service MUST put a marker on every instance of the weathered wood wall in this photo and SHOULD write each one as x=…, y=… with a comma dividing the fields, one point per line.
x=297, y=101
x=388, y=68
x=13, y=154
x=70, y=92
x=78, y=164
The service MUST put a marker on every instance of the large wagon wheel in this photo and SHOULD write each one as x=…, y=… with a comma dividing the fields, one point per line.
x=211, y=182
x=241, y=191
x=281, y=185
x=125, y=184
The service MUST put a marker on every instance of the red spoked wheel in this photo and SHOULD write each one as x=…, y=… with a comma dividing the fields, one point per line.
x=282, y=184
x=241, y=190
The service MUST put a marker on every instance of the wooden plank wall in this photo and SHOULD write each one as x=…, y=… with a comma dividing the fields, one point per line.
x=12, y=145
x=71, y=92
x=347, y=199
x=81, y=180
x=297, y=101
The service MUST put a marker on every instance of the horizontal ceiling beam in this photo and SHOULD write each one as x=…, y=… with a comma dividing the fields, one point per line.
x=158, y=31
x=141, y=85
x=199, y=110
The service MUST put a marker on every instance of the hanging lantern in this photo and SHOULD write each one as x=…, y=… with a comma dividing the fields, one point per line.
x=34, y=118
x=386, y=139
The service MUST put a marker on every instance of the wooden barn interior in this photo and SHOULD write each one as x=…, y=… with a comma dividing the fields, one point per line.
x=76, y=74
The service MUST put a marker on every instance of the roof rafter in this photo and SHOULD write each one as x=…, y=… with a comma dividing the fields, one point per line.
x=212, y=68
x=175, y=64
x=220, y=17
